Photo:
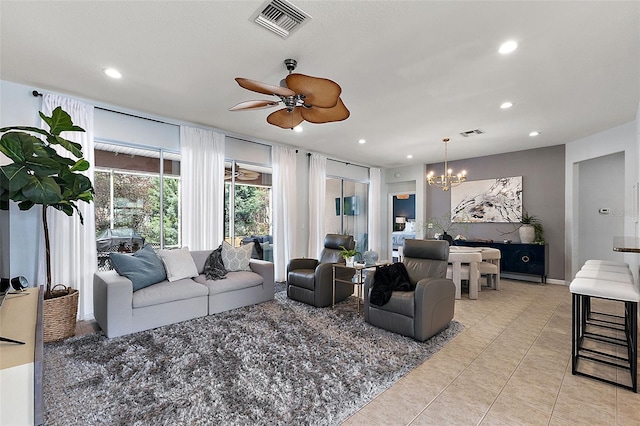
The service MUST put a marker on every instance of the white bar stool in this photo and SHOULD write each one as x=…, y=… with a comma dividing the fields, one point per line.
x=586, y=327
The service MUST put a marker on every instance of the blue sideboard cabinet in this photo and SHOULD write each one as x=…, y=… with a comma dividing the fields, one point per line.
x=517, y=258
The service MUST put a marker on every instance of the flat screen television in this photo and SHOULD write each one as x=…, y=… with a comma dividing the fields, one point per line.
x=350, y=206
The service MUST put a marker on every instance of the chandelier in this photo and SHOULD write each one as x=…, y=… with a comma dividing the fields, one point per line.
x=448, y=180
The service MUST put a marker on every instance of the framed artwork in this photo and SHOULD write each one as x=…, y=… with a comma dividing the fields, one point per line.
x=490, y=200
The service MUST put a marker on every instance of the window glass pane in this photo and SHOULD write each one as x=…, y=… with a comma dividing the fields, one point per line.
x=102, y=201
x=136, y=205
x=333, y=207
x=250, y=188
x=129, y=211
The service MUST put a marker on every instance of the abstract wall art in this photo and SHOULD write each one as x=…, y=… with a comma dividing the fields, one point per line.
x=490, y=200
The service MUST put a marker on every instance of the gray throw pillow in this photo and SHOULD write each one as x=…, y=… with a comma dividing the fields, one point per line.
x=214, y=268
x=143, y=267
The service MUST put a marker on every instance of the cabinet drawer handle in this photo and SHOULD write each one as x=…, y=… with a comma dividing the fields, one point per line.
x=525, y=259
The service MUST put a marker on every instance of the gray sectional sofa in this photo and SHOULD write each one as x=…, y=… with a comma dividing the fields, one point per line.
x=119, y=310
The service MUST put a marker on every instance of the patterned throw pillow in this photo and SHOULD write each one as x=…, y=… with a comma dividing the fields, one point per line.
x=236, y=258
x=213, y=267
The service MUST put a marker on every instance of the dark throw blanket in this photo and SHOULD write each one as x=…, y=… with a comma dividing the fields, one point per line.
x=386, y=280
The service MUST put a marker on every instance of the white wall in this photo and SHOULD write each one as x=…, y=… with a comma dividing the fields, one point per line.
x=620, y=139
x=594, y=195
x=19, y=245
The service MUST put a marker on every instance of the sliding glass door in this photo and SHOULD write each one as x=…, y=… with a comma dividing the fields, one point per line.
x=346, y=210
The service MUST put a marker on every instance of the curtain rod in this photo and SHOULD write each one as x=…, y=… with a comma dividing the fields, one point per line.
x=36, y=94
x=343, y=162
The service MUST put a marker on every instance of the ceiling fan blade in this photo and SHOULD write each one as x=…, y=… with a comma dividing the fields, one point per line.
x=325, y=115
x=253, y=105
x=285, y=118
x=319, y=92
x=264, y=88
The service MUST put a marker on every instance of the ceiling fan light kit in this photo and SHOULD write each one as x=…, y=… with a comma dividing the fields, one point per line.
x=305, y=98
x=447, y=180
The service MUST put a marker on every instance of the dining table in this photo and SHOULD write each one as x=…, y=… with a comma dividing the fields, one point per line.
x=464, y=263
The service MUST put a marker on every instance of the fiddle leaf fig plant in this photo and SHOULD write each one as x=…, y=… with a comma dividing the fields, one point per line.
x=39, y=175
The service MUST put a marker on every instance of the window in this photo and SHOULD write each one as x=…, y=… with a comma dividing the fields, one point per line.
x=247, y=207
x=137, y=199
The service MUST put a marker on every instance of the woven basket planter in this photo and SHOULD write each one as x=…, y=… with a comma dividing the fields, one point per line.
x=60, y=314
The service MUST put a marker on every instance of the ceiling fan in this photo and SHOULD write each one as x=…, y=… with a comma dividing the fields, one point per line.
x=306, y=98
x=241, y=174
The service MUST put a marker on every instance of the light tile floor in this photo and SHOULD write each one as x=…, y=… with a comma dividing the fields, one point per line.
x=510, y=366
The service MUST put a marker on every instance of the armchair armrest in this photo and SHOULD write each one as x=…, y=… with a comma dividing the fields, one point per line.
x=324, y=271
x=434, y=304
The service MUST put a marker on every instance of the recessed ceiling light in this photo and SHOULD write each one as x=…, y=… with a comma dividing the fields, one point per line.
x=298, y=128
x=409, y=156
x=506, y=105
x=534, y=133
x=508, y=47
x=113, y=73
x=362, y=141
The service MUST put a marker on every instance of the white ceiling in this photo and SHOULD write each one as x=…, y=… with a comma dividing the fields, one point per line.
x=412, y=72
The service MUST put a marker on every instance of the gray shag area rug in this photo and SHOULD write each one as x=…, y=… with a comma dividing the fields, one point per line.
x=279, y=363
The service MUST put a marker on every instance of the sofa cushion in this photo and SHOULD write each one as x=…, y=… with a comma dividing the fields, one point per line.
x=165, y=292
x=200, y=257
x=178, y=263
x=143, y=267
x=234, y=281
x=236, y=258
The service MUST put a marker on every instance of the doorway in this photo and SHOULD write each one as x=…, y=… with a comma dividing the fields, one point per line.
x=402, y=221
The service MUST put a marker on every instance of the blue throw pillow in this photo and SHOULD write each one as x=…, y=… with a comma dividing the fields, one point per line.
x=143, y=267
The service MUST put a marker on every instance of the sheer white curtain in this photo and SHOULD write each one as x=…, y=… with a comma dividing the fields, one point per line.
x=375, y=241
x=202, y=187
x=283, y=162
x=74, y=257
x=317, y=197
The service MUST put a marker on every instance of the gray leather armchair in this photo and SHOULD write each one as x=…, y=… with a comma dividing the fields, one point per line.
x=311, y=280
x=429, y=308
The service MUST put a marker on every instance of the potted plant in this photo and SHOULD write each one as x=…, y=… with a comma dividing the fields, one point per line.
x=39, y=175
x=348, y=255
x=527, y=230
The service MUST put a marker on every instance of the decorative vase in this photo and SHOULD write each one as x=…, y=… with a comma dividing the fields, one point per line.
x=527, y=234
x=370, y=258
x=350, y=260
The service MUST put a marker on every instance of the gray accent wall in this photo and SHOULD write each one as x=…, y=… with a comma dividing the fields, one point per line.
x=543, y=189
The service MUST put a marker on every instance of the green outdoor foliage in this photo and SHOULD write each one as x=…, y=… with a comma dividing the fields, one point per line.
x=251, y=210
x=41, y=176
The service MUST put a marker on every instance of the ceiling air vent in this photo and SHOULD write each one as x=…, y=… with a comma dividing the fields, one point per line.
x=472, y=132
x=280, y=17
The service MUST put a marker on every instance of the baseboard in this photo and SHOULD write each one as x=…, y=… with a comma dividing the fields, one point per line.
x=531, y=278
